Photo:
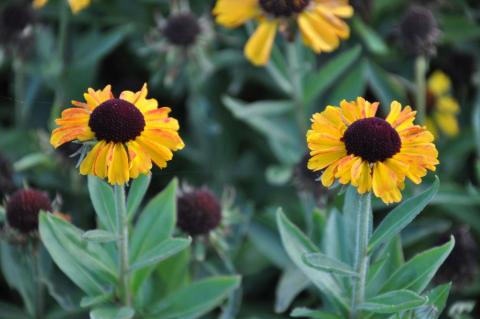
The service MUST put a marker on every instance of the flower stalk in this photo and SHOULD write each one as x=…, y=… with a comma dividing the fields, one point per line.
x=421, y=65
x=297, y=85
x=361, y=262
x=122, y=244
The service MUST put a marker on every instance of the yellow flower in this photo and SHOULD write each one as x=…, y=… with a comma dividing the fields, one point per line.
x=128, y=133
x=320, y=22
x=442, y=108
x=75, y=5
x=369, y=152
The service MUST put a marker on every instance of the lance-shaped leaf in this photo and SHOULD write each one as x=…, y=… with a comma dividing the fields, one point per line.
x=418, y=271
x=161, y=252
x=136, y=193
x=393, y=302
x=195, y=300
x=325, y=263
x=401, y=216
x=99, y=235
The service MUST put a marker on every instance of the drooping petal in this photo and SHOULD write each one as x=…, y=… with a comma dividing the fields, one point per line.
x=157, y=152
x=259, y=46
x=140, y=162
x=78, y=5
x=86, y=167
x=384, y=183
x=118, y=165
x=233, y=13
x=317, y=33
x=439, y=83
x=361, y=176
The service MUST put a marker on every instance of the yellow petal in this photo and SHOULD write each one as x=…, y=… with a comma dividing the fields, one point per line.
x=448, y=104
x=78, y=5
x=439, y=83
x=140, y=162
x=118, y=166
x=317, y=33
x=157, y=152
x=233, y=13
x=385, y=184
x=86, y=168
x=447, y=123
x=259, y=46
x=361, y=176
x=37, y=4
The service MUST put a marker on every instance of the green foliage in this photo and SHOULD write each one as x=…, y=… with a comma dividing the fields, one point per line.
x=392, y=286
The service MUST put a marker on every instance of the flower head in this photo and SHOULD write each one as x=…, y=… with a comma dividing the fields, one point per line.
x=199, y=212
x=320, y=22
x=369, y=152
x=182, y=29
x=419, y=31
x=127, y=133
x=23, y=208
x=442, y=107
x=75, y=5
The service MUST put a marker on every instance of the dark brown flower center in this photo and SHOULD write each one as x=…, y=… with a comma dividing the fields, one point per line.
x=116, y=120
x=283, y=8
x=373, y=139
x=23, y=208
x=182, y=29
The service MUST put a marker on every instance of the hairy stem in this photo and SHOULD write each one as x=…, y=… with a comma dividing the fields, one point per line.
x=362, y=236
x=59, y=98
x=297, y=92
x=122, y=242
x=421, y=65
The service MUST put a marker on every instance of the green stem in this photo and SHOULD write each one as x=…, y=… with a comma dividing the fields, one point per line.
x=61, y=46
x=19, y=91
x=421, y=65
x=362, y=236
x=122, y=242
x=297, y=92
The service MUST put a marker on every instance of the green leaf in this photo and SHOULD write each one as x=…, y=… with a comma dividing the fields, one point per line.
x=155, y=224
x=297, y=244
x=93, y=301
x=136, y=193
x=87, y=264
x=316, y=314
x=291, y=283
x=351, y=85
x=101, y=195
x=112, y=312
x=269, y=244
x=17, y=262
x=8, y=311
x=196, y=299
x=372, y=39
x=437, y=299
x=401, y=216
x=317, y=83
x=393, y=302
x=92, y=47
x=383, y=85
x=162, y=251
x=323, y=262
x=100, y=236
x=417, y=272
